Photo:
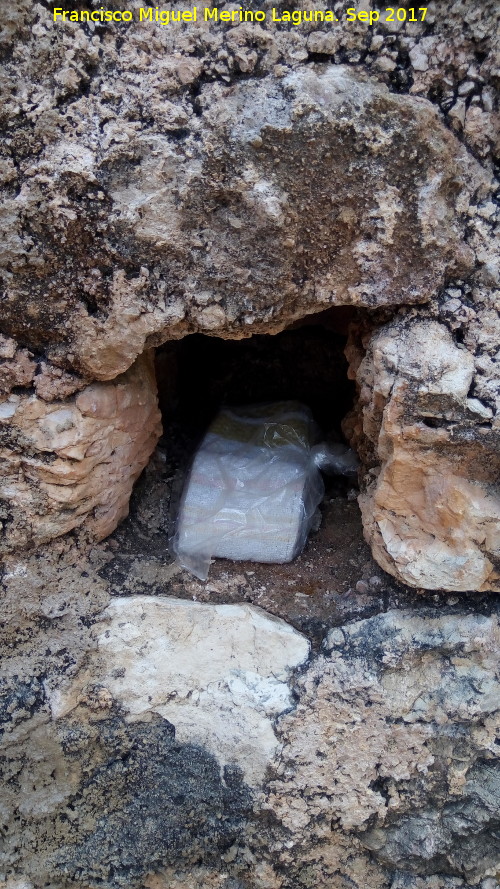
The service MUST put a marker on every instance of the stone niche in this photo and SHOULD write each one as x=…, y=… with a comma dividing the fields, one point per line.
x=316, y=193
x=429, y=502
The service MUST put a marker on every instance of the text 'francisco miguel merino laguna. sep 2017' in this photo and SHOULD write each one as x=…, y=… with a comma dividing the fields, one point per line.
x=236, y=16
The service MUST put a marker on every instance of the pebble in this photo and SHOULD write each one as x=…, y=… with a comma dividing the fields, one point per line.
x=466, y=87
x=385, y=64
x=419, y=59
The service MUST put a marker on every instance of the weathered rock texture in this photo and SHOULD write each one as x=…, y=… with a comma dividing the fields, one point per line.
x=383, y=772
x=283, y=196
x=67, y=462
x=149, y=194
x=157, y=181
x=431, y=509
x=154, y=652
x=393, y=745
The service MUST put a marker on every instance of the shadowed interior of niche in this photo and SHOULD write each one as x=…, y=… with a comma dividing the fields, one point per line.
x=305, y=362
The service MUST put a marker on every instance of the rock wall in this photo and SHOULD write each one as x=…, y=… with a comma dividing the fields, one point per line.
x=147, y=197
x=230, y=178
x=281, y=197
x=177, y=745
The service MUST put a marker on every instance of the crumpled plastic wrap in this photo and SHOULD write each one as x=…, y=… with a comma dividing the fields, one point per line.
x=334, y=458
x=253, y=488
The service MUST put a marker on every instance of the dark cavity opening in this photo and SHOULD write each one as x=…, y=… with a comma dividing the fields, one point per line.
x=306, y=362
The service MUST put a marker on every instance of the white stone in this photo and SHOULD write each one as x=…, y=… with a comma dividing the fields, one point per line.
x=419, y=59
x=477, y=407
x=218, y=673
x=7, y=410
x=429, y=356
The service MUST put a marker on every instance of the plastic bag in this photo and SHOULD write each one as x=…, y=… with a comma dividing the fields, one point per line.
x=335, y=458
x=253, y=488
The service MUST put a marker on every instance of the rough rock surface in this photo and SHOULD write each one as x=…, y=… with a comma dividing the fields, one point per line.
x=139, y=203
x=164, y=180
x=382, y=771
x=393, y=744
x=431, y=507
x=152, y=654
x=65, y=462
x=272, y=198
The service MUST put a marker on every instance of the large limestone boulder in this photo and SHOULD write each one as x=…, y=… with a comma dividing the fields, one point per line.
x=166, y=657
x=277, y=198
